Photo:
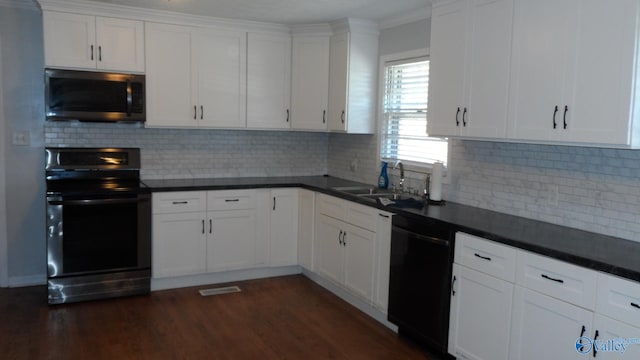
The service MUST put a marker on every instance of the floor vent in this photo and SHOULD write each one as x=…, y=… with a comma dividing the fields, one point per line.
x=219, y=291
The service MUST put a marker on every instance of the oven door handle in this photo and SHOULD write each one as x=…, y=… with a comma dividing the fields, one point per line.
x=95, y=201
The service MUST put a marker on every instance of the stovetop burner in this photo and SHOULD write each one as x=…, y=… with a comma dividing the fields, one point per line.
x=88, y=171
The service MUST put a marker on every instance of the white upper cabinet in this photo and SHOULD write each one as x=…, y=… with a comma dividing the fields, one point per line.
x=310, y=82
x=93, y=42
x=469, y=68
x=573, y=72
x=269, y=81
x=353, y=74
x=168, y=80
x=195, y=77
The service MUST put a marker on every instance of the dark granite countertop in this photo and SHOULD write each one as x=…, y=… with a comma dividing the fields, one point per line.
x=595, y=251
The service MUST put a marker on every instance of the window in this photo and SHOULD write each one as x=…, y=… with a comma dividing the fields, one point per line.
x=404, y=115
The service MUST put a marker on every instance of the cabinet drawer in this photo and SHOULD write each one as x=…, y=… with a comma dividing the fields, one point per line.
x=331, y=206
x=619, y=299
x=231, y=199
x=361, y=216
x=486, y=256
x=179, y=202
x=567, y=282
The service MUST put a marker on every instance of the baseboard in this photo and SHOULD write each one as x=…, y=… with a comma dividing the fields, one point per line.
x=31, y=280
x=222, y=277
x=362, y=305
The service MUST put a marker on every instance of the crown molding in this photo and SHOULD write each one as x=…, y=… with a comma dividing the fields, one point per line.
x=167, y=17
x=20, y=4
x=407, y=18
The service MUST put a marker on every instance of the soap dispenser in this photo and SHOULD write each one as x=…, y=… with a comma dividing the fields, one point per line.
x=383, y=180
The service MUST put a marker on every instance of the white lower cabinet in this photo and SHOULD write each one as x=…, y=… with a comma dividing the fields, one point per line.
x=480, y=317
x=383, y=265
x=345, y=254
x=358, y=245
x=546, y=328
x=179, y=244
x=611, y=337
x=196, y=232
x=283, y=229
x=329, y=255
x=306, y=228
x=555, y=310
x=231, y=240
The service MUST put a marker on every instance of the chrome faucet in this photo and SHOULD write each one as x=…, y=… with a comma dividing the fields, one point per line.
x=401, y=183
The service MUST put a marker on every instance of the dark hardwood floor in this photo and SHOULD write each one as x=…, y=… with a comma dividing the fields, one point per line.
x=278, y=318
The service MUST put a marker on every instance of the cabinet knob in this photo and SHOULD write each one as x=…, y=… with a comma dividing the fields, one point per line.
x=342, y=116
x=564, y=117
x=99, y=53
x=91, y=52
x=555, y=111
x=457, y=113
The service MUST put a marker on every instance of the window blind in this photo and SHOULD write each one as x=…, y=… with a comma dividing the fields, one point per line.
x=404, y=129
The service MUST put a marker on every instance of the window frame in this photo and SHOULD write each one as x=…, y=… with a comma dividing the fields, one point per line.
x=417, y=167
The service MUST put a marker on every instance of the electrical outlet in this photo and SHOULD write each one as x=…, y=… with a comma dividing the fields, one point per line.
x=21, y=138
x=354, y=165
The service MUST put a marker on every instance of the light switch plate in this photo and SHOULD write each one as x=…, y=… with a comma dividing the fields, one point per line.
x=22, y=138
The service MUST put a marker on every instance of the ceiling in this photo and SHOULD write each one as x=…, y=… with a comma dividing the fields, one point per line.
x=288, y=12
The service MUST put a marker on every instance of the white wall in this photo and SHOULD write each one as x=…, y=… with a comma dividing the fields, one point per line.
x=406, y=37
x=22, y=95
x=4, y=266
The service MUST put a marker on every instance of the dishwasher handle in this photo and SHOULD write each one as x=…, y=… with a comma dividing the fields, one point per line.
x=427, y=238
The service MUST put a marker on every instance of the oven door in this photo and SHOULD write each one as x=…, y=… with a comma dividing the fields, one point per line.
x=96, y=234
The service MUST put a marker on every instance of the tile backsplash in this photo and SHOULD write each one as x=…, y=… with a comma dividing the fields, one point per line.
x=198, y=153
x=592, y=189
x=586, y=188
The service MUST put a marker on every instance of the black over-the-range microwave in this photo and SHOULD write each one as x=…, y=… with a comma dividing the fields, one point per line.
x=94, y=96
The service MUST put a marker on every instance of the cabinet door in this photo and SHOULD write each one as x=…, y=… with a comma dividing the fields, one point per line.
x=220, y=63
x=600, y=109
x=328, y=251
x=69, y=40
x=231, y=242
x=283, y=234
x=480, y=315
x=447, y=68
x=306, y=228
x=120, y=44
x=268, y=81
x=545, y=328
x=383, y=265
x=359, y=260
x=487, y=69
x=338, y=80
x=179, y=244
x=609, y=329
x=544, y=42
x=168, y=76
x=310, y=82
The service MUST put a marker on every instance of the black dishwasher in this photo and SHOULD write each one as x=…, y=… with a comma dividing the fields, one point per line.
x=420, y=280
